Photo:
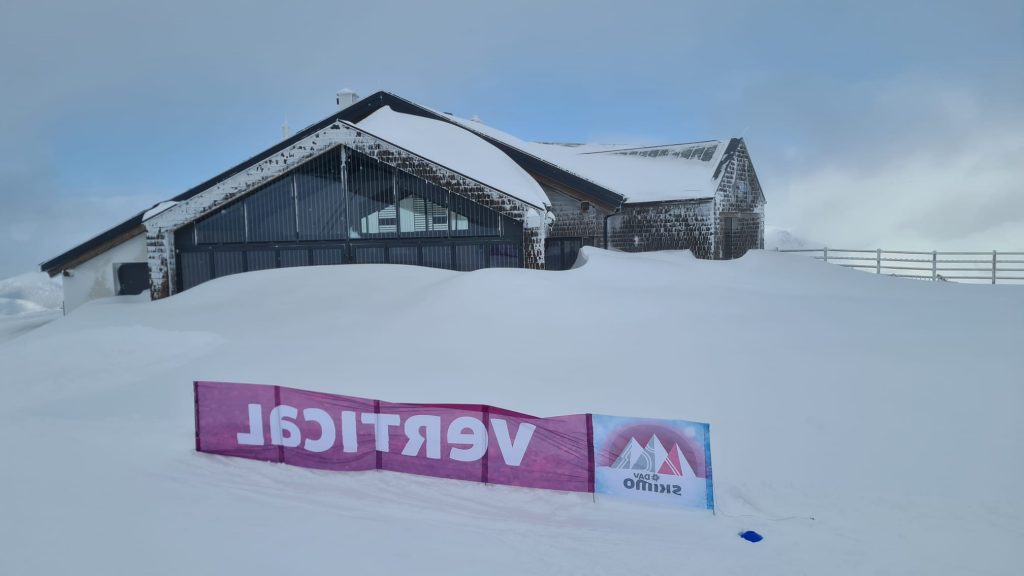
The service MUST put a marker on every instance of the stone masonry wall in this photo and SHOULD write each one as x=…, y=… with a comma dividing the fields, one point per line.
x=573, y=220
x=739, y=205
x=683, y=225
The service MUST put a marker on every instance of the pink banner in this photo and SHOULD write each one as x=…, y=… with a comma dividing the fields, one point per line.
x=331, y=432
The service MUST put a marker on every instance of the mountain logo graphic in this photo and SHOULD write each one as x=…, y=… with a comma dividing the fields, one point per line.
x=653, y=458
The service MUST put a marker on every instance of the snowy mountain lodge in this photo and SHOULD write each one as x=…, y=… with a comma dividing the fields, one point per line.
x=385, y=180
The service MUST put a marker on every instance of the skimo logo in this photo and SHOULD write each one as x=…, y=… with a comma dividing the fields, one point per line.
x=653, y=458
x=650, y=463
x=649, y=483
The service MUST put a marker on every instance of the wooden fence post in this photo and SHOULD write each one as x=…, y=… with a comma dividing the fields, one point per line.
x=994, y=266
x=878, y=261
x=935, y=268
x=825, y=251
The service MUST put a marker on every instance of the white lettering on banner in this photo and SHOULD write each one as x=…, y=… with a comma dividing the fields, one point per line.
x=381, y=424
x=326, y=441
x=476, y=438
x=512, y=450
x=349, y=438
x=254, y=437
x=413, y=425
x=278, y=425
x=466, y=436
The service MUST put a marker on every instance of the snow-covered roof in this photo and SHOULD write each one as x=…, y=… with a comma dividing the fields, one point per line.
x=641, y=174
x=456, y=149
x=158, y=209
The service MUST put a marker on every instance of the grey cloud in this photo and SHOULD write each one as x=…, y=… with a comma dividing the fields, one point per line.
x=841, y=103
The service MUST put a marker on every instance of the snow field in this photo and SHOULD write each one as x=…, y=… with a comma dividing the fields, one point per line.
x=887, y=410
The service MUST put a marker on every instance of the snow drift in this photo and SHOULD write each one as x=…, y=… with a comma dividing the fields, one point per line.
x=862, y=424
x=28, y=301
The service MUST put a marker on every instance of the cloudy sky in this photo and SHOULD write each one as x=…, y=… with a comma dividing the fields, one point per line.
x=893, y=124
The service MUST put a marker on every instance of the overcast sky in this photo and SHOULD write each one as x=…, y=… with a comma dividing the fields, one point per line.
x=893, y=124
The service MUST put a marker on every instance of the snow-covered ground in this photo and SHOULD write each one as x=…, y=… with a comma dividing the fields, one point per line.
x=862, y=424
x=28, y=301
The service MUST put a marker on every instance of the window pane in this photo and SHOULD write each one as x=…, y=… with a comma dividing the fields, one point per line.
x=371, y=197
x=471, y=219
x=195, y=268
x=321, y=198
x=328, y=256
x=553, y=254
x=225, y=263
x=469, y=257
x=261, y=259
x=185, y=237
x=505, y=256
x=403, y=255
x=422, y=207
x=369, y=255
x=291, y=258
x=225, y=226
x=271, y=212
x=437, y=256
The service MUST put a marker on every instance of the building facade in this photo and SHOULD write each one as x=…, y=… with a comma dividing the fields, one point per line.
x=385, y=180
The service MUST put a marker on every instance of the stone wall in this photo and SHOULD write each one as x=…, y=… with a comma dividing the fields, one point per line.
x=575, y=218
x=739, y=204
x=683, y=225
x=725, y=226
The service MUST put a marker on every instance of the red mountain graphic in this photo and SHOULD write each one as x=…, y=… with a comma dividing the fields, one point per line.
x=672, y=465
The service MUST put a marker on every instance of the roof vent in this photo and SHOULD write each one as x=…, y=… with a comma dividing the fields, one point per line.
x=346, y=98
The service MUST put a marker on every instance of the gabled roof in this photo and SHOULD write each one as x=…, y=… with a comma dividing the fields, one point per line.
x=353, y=114
x=606, y=175
x=638, y=173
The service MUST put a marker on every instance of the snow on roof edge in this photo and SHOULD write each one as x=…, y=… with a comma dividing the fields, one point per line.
x=528, y=190
x=707, y=191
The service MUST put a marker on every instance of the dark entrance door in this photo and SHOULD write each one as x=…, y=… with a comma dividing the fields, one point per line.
x=561, y=253
x=734, y=241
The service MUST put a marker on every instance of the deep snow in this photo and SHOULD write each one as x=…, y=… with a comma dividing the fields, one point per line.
x=28, y=301
x=887, y=410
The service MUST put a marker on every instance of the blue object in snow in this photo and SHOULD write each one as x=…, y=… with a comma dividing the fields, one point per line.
x=751, y=536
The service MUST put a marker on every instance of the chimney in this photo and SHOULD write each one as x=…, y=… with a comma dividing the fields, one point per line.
x=346, y=98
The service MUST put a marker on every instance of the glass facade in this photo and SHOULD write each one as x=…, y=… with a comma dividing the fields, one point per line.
x=345, y=207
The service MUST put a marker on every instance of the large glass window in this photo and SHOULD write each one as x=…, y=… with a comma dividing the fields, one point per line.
x=437, y=256
x=329, y=256
x=225, y=226
x=195, y=268
x=468, y=218
x=226, y=263
x=270, y=213
x=320, y=198
x=261, y=259
x=371, y=186
x=346, y=207
x=297, y=257
x=470, y=257
x=422, y=207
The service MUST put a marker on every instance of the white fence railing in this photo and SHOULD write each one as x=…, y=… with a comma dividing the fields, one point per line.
x=987, y=267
